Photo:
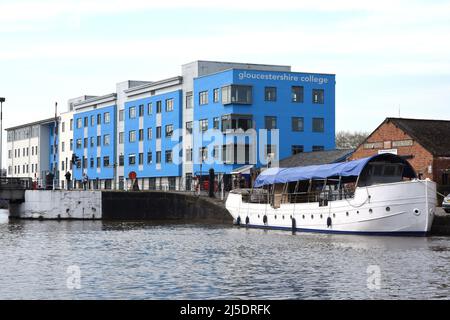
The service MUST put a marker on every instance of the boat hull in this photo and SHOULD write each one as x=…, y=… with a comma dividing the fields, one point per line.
x=404, y=208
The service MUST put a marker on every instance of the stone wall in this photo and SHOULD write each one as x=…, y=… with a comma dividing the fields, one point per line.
x=156, y=205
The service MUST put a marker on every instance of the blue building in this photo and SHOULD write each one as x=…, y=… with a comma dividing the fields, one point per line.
x=217, y=115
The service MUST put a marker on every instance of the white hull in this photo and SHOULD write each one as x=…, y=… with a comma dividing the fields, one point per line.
x=404, y=207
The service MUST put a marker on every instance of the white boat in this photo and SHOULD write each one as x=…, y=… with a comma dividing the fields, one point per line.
x=379, y=195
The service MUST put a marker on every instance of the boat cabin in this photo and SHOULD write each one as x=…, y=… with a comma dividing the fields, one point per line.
x=329, y=182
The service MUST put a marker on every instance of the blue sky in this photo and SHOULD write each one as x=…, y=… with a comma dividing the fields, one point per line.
x=387, y=55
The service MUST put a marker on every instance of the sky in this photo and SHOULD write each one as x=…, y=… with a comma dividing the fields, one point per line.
x=390, y=57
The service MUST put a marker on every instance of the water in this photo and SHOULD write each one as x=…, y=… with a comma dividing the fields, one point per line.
x=178, y=261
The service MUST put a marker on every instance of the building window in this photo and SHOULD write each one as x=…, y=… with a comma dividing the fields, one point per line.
x=132, y=113
x=318, y=125
x=169, y=105
x=203, y=97
x=204, y=125
x=91, y=162
x=106, y=117
x=71, y=124
x=92, y=120
x=189, y=127
x=271, y=149
x=203, y=153
x=168, y=156
x=99, y=141
x=149, y=108
x=318, y=96
x=120, y=137
x=149, y=133
x=158, y=132
x=270, y=94
x=121, y=115
x=234, y=122
x=373, y=145
x=189, y=154
x=189, y=100
x=132, y=136
x=86, y=121
x=169, y=130
x=271, y=123
x=99, y=119
x=106, y=140
x=158, y=106
x=71, y=145
x=63, y=127
x=298, y=124
x=99, y=163
x=216, y=152
x=63, y=146
x=216, y=95
x=79, y=123
x=141, y=110
x=106, y=161
x=132, y=159
x=216, y=123
x=149, y=157
x=141, y=159
x=92, y=142
x=318, y=148
x=237, y=94
x=297, y=149
x=121, y=160
x=297, y=94
x=158, y=156
x=141, y=134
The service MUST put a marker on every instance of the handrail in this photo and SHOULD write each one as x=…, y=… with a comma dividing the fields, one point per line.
x=16, y=183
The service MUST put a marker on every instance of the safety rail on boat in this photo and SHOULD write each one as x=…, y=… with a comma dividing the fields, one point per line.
x=322, y=197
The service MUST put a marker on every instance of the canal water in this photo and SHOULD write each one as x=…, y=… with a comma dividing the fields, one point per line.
x=133, y=260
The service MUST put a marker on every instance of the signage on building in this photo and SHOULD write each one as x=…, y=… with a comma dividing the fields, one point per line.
x=393, y=151
x=283, y=77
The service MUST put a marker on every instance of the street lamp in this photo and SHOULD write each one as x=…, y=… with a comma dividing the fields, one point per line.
x=1, y=134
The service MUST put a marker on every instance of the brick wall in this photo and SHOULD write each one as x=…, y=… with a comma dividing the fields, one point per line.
x=387, y=133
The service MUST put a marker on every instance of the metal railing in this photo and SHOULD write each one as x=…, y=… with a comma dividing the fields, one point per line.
x=16, y=183
x=322, y=197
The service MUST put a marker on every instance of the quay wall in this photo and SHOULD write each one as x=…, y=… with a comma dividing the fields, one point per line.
x=58, y=204
x=159, y=205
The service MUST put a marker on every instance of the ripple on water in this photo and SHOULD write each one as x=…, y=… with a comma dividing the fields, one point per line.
x=131, y=260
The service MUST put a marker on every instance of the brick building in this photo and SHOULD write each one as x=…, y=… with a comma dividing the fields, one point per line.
x=424, y=143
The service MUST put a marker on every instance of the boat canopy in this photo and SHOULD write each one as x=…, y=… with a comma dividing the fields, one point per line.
x=343, y=169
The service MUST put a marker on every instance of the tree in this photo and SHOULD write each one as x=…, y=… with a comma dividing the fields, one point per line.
x=350, y=140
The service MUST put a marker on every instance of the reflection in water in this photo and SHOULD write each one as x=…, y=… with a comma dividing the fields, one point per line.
x=135, y=260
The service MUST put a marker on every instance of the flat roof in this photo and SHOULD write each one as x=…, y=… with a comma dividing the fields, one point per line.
x=48, y=120
x=262, y=70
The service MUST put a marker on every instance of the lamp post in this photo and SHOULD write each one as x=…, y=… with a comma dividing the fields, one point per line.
x=1, y=134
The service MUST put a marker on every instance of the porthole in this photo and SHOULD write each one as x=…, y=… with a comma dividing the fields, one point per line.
x=291, y=217
x=303, y=216
x=346, y=213
x=275, y=216
x=258, y=215
x=370, y=210
x=357, y=212
x=312, y=217
x=334, y=215
x=416, y=212
x=283, y=216
x=321, y=216
x=388, y=209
